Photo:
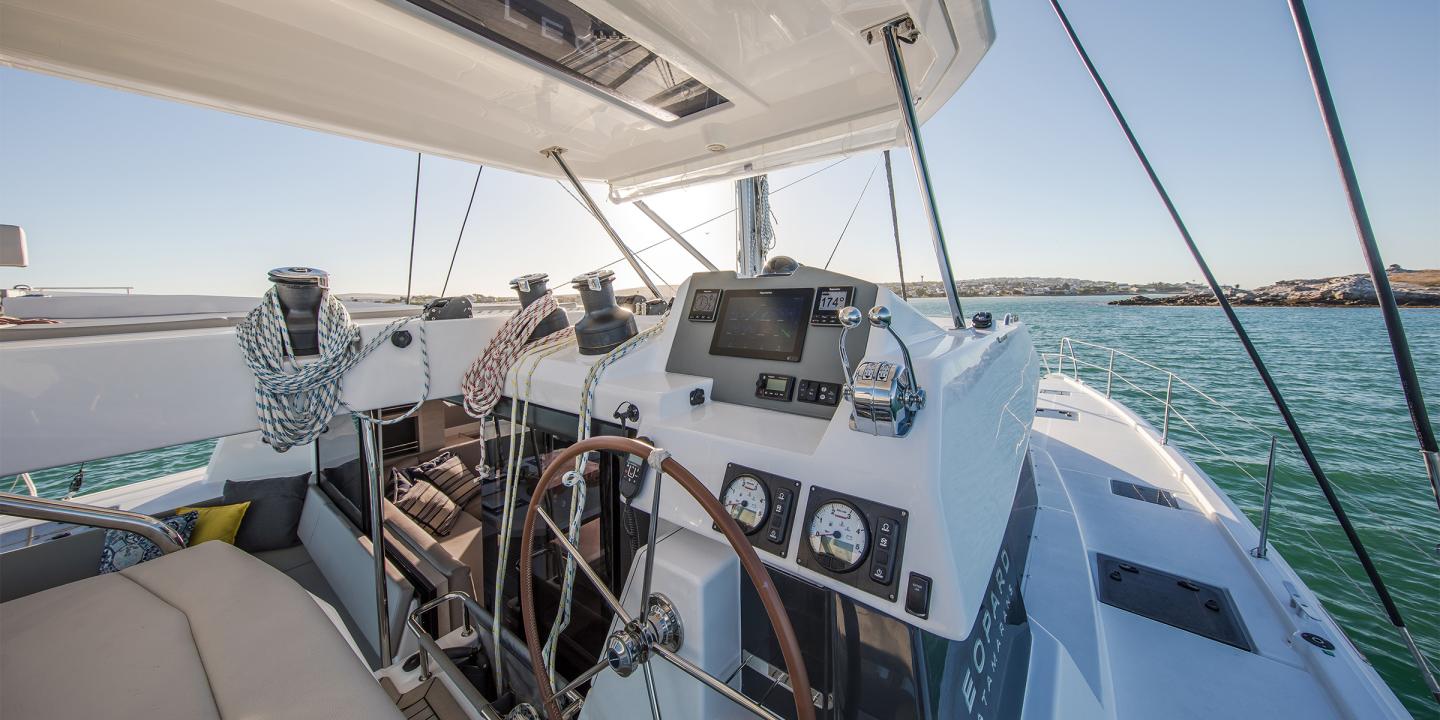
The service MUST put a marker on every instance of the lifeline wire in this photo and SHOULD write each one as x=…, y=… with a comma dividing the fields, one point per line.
x=295, y=402
x=1321, y=479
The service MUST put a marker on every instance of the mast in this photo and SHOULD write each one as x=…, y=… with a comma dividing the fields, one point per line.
x=753, y=234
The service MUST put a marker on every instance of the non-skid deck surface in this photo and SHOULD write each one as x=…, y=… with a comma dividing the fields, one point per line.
x=1136, y=666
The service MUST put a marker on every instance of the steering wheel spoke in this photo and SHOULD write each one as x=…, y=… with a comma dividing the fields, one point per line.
x=715, y=683
x=650, y=691
x=615, y=605
x=658, y=632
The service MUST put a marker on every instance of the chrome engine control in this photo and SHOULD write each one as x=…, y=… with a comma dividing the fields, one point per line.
x=850, y=318
x=884, y=396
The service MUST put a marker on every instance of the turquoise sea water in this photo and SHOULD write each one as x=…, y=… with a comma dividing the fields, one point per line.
x=1334, y=366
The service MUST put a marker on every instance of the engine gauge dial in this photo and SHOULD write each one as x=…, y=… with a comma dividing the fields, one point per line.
x=839, y=536
x=748, y=501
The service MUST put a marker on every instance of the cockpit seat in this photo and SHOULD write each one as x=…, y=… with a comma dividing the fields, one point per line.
x=206, y=632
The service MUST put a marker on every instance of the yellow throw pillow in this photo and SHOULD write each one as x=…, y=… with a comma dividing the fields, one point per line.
x=220, y=522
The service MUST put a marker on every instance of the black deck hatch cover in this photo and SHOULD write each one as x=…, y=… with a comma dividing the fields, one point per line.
x=1144, y=492
x=1196, y=607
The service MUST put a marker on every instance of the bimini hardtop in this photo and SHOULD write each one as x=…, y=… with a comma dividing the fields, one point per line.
x=645, y=96
x=775, y=491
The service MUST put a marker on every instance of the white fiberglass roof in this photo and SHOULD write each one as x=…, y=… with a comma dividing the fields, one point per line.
x=644, y=94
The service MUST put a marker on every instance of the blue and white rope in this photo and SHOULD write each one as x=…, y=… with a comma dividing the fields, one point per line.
x=577, y=481
x=296, y=401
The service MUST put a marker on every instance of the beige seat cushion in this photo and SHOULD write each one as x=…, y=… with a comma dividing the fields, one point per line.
x=459, y=555
x=207, y=632
x=99, y=647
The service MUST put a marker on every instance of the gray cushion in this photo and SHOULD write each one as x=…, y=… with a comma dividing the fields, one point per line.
x=349, y=480
x=274, y=515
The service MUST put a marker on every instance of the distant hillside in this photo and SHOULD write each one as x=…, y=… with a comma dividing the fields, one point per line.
x=1414, y=278
x=1413, y=288
x=1045, y=286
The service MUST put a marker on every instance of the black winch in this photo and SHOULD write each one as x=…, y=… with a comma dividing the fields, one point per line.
x=605, y=324
x=530, y=288
x=301, y=290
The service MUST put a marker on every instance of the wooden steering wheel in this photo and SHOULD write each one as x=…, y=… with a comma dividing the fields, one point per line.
x=658, y=631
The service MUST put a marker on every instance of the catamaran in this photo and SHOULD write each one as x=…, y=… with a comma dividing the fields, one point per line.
x=778, y=491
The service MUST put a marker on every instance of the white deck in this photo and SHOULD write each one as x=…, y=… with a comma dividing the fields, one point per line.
x=1107, y=662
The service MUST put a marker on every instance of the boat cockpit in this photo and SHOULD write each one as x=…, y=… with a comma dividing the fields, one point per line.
x=837, y=559
x=774, y=491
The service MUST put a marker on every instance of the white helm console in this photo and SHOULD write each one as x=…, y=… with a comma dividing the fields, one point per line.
x=770, y=341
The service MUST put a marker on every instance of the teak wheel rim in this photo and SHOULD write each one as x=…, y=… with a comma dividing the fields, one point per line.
x=749, y=562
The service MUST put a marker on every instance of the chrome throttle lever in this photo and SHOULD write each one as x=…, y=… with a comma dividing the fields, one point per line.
x=850, y=318
x=884, y=396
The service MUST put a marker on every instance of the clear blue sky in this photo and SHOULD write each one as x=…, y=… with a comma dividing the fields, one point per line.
x=1032, y=175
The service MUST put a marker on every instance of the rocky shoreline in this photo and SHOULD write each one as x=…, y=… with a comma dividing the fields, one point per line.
x=1413, y=288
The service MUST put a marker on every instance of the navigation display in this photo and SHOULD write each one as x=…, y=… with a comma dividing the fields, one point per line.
x=763, y=324
x=828, y=301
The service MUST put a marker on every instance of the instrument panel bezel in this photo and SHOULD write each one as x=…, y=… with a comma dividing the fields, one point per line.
x=772, y=482
x=870, y=512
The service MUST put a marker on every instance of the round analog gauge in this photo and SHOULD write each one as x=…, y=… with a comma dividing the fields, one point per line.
x=748, y=502
x=839, y=536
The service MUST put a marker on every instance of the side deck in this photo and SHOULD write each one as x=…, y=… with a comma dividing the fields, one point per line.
x=1145, y=598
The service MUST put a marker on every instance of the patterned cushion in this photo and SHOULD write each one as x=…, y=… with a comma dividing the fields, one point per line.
x=453, y=478
x=419, y=472
x=400, y=483
x=123, y=549
x=429, y=507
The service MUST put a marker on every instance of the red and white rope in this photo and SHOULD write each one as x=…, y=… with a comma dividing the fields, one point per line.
x=484, y=382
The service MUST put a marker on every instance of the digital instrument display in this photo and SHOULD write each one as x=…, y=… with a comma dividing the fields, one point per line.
x=774, y=387
x=828, y=301
x=763, y=324
x=747, y=501
x=839, y=536
x=703, y=305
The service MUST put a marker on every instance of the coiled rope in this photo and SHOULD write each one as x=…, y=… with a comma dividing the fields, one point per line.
x=295, y=402
x=484, y=382
x=576, y=481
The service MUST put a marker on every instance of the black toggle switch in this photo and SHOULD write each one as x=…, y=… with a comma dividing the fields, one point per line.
x=917, y=595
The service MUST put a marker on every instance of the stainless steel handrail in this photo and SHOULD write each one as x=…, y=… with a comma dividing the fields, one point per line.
x=429, y=649
x=164, y=536
x=1054, y=363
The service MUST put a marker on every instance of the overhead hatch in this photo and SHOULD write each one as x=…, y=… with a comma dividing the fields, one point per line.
x=564, y=38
